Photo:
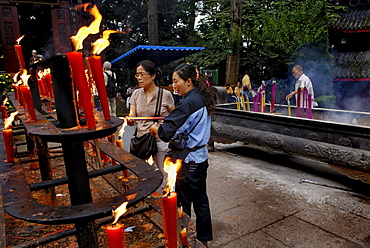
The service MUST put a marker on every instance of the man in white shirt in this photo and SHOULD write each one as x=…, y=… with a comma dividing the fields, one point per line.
x=112, y=100
x=303, y=82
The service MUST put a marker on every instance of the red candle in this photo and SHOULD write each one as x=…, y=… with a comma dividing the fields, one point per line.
x=41, y=87
x=8, y=143
x=116, y=236
x=169, y=206
x=104, y=157
x=26, y=93
x=96, y=68
x=4, y=112
x=18, y=93
x=184, y=237
x=15, y=91
x=78, y=74
x=18, y=51
x=49, y=86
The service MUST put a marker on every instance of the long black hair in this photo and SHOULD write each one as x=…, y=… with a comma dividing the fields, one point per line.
x=152, y=68
x=186, y=71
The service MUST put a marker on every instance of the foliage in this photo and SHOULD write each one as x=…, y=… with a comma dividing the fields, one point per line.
x=277, y=29
x=213, y=31
x=274, y=36
x=6, y=81
x=326, y=101
x=176, y=26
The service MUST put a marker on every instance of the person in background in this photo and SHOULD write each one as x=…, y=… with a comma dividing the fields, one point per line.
x=302, y=82
x=176, y=96
x=229, y=93
x=238, y=91
x=96, y=98
x=192, y=116
x=34, y=88
x=112, y=101
x=247, y=86
x=143, y=103
x=35, y=57
x=129, y=91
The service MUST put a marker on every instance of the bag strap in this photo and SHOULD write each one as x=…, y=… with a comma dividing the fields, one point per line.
x=110, y=76
x=159, y=103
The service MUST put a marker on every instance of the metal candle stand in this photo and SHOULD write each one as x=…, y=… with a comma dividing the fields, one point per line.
x=17, y=198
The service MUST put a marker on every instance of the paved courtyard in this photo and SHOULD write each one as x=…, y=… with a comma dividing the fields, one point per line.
x=258, y=200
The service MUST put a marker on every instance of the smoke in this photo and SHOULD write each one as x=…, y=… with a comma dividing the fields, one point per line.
x=317, y=64
x=48, y=49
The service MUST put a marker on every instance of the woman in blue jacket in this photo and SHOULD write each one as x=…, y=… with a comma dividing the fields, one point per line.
x=188, y=129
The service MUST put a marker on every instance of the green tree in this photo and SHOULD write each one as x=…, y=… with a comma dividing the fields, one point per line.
x=275, y=34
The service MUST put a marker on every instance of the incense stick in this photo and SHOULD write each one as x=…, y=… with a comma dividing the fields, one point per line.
x=142, y=118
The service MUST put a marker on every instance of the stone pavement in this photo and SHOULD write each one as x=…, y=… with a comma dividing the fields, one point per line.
x=257, y=200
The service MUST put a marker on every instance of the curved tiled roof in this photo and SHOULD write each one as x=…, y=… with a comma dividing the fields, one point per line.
x=159, y=54
x=352, y=66
x=357, y=20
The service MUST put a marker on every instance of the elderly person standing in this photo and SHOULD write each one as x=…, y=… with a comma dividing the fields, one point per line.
x=303, y=82
x=112, y=100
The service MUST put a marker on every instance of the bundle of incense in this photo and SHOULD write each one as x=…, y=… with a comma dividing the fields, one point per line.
x=142, y=118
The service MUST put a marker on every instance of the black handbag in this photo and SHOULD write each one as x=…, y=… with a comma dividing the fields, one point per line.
x=146, y=145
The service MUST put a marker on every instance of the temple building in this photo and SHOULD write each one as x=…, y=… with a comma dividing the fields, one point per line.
x=350, y=44
x=47, y=26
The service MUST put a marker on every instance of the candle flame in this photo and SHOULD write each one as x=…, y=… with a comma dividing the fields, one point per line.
x=15, y=79
x=19, y=39
x=25, y=77
x=119, y=212
x=100, y=44
x=85, y=31
x=150, y=160
x=8, y=121
x=171, y=169
x=5, y=100
x=122, y=209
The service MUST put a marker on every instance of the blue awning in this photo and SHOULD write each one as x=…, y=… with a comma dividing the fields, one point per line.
x=161, y=55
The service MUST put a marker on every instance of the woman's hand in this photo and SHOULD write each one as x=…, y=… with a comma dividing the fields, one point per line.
x=130, y=122
x=153, y=129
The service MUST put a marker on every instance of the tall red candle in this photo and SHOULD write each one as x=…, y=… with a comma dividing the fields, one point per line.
x=8, y=143
x=40, y=84
x=19, y=52
x=4, y=112
x=169, y=206
x=49, y=86
x=96, y=67
x=78, y=74
x=15, y=91
x=116, y=236
x=19, y=96
x=26, y=93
